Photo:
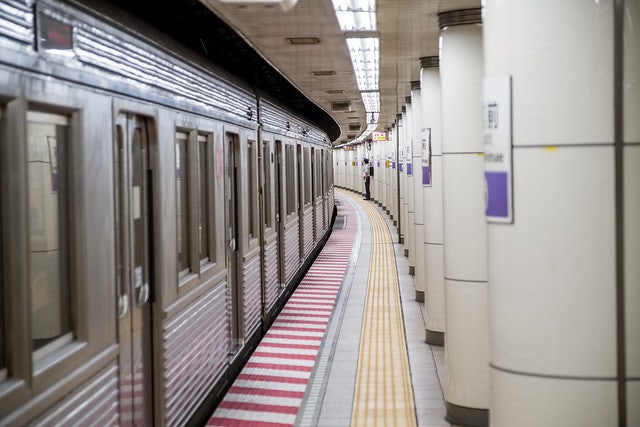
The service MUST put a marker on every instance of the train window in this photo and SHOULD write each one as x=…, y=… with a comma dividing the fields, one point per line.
x=252, y=187
x=300, y=180
x=49, y=252
x=314, y=170
x=268, y=206
x=290, y=181
x=182, y=205
x=205, y=195
x=321, y=175
x=3, y=372
x=307, y=176
x=54, y=35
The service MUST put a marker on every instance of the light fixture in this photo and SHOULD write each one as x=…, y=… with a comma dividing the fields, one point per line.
x=356, y=15
x=365, y=57
x=360, y=16
x=371, y=101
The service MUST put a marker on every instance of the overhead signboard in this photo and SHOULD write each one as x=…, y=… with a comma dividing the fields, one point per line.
x=379, y=136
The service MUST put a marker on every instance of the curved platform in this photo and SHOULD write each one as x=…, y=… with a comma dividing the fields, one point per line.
x=346, y=346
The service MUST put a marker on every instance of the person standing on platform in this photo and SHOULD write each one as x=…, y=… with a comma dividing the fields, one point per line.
x=367, y=179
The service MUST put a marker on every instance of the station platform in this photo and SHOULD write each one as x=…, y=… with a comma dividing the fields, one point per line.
x=348, y=348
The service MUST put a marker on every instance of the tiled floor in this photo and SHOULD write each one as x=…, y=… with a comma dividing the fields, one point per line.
x=332, y=400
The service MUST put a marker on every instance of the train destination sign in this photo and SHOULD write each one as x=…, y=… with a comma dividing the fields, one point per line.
x=497, y=148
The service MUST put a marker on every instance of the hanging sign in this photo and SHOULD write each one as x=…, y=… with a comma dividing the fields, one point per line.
x=497, y=149
x=379, y=136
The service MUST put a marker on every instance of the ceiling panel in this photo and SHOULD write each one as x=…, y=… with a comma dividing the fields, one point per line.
x=408, y=30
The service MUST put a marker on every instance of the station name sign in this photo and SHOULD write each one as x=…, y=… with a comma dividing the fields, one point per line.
x=497, y=148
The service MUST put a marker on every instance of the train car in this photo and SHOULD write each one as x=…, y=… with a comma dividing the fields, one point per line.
x=156, y=213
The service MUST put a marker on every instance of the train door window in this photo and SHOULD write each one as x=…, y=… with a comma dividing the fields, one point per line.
x=322, y=174
x=252, y=188
x=205, y=199
x=290, y=179
x=300, y=201
x=48, y=230
x=182, y=204
x=307, y=176
x=314, y=175
x=267, y=193
x=3, y=371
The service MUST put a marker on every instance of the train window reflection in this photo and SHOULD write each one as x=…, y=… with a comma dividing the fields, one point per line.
x=49, y=258
x=182, y=205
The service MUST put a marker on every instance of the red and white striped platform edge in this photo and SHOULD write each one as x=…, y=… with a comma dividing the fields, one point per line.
x=269, y=390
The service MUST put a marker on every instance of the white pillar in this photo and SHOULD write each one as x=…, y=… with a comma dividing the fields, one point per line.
x=467, y=390
x=402, y=169
x=410, y=236
x=418, y=193
x=431, y=132
x=564, y=275
x=393, y=177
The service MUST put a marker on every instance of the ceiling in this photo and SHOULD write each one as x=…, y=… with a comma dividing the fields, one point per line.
x=408, y=30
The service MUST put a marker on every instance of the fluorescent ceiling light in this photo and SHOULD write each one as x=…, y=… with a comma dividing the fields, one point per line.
x=365, y=54
x=356, y=15
x=371, y=101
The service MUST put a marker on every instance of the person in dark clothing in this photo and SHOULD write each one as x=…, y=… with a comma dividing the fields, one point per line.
x=367, y=180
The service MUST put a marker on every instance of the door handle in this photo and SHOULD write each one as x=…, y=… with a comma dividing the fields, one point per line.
x=123, y=305
x=143, y=294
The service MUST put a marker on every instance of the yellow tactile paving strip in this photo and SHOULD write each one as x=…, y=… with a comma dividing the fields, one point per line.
x=383, y=394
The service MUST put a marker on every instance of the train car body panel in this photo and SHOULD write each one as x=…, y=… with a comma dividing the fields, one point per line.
x=150, y=220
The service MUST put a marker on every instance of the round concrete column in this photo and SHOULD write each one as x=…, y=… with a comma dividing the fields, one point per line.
x=402, y=169
x=431, y=133
x=564, y=275
x=410, y=236
x=394, y=180
x=467, y=390
x=402, y=178
x=418, y=196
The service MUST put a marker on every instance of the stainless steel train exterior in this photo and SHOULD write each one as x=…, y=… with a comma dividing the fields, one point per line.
x=155, y=214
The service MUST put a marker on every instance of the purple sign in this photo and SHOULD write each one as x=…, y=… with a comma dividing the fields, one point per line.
x=497, y=194
x=426, y=175
x=409, y=169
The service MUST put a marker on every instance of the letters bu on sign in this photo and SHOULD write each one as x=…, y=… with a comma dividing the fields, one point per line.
x=497, y=149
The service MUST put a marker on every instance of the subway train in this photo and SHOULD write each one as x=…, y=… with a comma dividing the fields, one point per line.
x=156, y=214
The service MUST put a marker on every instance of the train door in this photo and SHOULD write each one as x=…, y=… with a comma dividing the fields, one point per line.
x=134, y=232
x=280, y=212
x=232, y=197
